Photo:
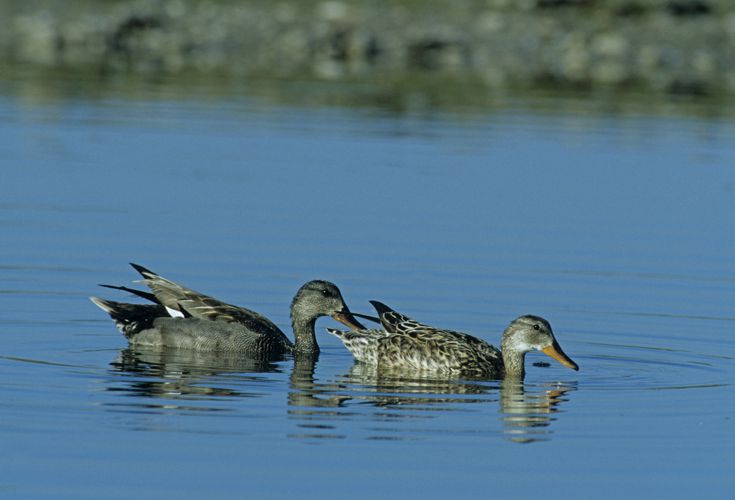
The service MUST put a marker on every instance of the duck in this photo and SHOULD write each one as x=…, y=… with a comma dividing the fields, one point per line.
x=180, y=317
x=405, y=345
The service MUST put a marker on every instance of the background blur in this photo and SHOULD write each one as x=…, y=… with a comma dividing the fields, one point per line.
x=668, y=46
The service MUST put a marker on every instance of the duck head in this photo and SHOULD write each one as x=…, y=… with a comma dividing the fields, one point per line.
x=321, y=298
x=529, y=333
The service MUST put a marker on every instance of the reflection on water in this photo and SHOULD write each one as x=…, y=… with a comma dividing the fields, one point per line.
x=306, y=392
x=528, y=414
x=172, y=379
x=184, y=374
x=35, y=88
x=525, y=410
x=315, y=405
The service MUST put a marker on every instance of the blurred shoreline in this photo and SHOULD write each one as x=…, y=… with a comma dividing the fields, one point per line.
x=673, y=47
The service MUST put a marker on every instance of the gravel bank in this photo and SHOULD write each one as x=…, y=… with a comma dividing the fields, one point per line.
x=680, y=46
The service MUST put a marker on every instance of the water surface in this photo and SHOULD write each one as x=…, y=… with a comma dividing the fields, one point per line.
x=616, y=226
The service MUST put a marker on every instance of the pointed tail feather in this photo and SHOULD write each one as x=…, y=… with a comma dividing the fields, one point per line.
x=131, y=319
x=389, y=318
x=140, y=293
x=381, y=308
x=365, y=316
x=347, y=336
x=146, y=273
x=105, y=305
x=362, y=346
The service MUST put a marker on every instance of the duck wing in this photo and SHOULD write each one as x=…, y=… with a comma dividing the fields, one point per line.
x=188, y=302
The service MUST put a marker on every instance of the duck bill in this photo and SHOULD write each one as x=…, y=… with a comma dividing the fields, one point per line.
x=554, y=351
x=346, y=318
x=374, y=319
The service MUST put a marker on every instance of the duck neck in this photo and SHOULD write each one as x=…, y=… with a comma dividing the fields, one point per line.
x=305, y=338
x=514, y=361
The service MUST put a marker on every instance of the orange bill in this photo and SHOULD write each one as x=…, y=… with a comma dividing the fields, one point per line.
x=554, y=351
x=346, y=318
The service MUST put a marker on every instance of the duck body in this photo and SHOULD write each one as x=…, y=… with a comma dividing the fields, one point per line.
x=207, y=335
x=412, y=347
x=184, y=318
x=424, y=349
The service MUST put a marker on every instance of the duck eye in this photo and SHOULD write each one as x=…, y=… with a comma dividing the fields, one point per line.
x=325, y=292
x=536, y=327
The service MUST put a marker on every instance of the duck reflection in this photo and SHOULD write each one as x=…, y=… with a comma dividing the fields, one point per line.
x=396, y=388
x=317, y=407
x=306, y=392
x=527, y=411
x=186, y=374
x=180, y=380
x=527, y=414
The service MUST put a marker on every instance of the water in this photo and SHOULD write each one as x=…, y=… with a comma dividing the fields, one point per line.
x=615, y=226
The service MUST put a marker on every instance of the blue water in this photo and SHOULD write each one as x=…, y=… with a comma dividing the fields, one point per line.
x=619, y=228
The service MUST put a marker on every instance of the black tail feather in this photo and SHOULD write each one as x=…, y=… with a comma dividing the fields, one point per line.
x=131, y=319
x=365, y=316
x=140, y=293
x=381, y=308
x=146, y=273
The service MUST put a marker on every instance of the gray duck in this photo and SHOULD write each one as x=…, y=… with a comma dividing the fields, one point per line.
x=184, y=318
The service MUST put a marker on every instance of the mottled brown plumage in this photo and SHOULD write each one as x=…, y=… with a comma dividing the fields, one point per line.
x=411, y=346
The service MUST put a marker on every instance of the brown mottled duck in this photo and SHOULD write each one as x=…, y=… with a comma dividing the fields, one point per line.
x=412, y=347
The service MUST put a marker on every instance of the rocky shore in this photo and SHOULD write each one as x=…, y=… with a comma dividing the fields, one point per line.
x=676, y=46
